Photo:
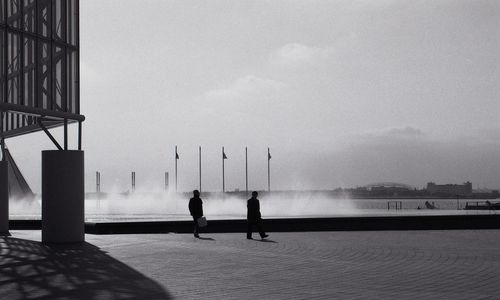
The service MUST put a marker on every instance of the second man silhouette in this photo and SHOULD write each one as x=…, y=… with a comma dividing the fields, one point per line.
x=196, y=210
x=254, y=217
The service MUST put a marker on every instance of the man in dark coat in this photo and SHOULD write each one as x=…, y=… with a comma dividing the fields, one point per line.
x=253, y=216
x=196, y=210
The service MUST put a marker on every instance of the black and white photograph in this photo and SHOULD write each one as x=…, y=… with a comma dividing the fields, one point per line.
x=249, y=149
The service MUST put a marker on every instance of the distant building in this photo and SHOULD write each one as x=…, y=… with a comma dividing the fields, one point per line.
x=450, y=189
x=388, y=190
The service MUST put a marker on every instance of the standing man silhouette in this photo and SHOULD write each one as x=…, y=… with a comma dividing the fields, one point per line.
x=196, y=210
x=254, y=217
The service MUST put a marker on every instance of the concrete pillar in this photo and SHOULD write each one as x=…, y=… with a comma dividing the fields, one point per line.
x=63, y=196
x=4, y=198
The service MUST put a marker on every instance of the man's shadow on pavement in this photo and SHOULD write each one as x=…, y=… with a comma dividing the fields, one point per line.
x=266, y=241
x=30, y=269
x=206, y=238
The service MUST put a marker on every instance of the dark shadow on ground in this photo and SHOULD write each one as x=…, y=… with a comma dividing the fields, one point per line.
x=206, y=238
x=32, y=270
x=267, y=241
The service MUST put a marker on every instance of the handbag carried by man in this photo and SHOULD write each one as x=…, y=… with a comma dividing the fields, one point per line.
x=202, y=221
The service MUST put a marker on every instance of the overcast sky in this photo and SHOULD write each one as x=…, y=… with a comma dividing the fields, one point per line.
x=345, y=93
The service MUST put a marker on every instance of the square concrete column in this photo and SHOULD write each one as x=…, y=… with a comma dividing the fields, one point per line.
x=4, y=198
x=63, y=196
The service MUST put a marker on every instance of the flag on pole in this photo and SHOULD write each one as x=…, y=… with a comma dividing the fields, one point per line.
x=176, y=158
x=224, y=155
x=268, y=170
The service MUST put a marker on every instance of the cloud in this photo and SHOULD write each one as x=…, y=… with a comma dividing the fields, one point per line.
x=404, y=131
x=247, y=86
x=295, y=54
x=491, y=134
x=91, y=74
x=394, y=132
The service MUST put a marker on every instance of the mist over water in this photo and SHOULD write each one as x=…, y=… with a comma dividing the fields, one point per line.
x=151, y=203
x=216, y=204
x=25, y=208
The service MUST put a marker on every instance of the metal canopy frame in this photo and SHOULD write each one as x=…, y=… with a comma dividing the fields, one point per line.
x=39, y=67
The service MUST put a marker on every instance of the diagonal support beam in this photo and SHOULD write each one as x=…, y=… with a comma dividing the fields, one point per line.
x=49, y=135
x=2, y=148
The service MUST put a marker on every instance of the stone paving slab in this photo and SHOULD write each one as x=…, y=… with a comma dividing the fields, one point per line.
x=457, y=264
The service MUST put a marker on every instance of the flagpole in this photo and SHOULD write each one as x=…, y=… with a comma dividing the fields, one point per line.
x=223, y=183
x=166, y=181
x=246, y=170
x=268, y=171
x=176, y=169
x=200, y=165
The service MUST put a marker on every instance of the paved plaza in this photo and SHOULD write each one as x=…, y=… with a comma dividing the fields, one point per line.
x=458, y=264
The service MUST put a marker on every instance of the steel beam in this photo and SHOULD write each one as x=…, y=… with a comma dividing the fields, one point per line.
x=51, y=137
x=45, y=113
